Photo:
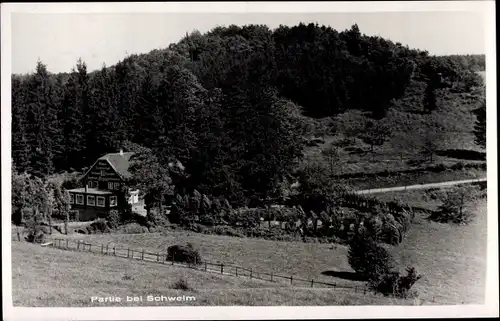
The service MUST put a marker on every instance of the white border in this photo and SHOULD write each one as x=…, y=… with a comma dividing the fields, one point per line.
x=238, y=313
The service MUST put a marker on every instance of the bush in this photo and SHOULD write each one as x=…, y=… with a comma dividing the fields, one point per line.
x=114, y=218
x=454, y=208
x=393, y=283
x=132, y=228
x=181, y=284
x=184, y=254
x=99, y=226
x=367, y=258
x=36, y=234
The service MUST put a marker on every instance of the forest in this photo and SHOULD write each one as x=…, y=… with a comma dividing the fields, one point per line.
x=234, y=105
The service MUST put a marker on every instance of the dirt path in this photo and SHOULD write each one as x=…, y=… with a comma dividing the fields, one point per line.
x=419, y=186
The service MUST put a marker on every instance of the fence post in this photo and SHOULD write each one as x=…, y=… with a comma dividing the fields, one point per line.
x=107, y=248
x=205, y=266
x=312, y=283
x=78, y=245
x=142, y=254
x=157, y=257
x=271, y=276
x=67, y=242
x=251, y=272
x=291, y=279
x=90, y=247
x=114, y=250
x=222, y=268
x=102, y=248
x=128, y=253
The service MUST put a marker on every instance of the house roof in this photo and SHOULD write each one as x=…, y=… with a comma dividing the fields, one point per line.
x=120, y=162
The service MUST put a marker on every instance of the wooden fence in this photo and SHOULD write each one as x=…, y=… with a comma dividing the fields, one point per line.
x=204, y=266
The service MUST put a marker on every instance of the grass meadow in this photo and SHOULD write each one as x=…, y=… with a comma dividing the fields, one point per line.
x=451, y=258
x=47, y=277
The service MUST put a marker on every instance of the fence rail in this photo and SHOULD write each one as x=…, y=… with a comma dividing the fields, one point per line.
x=205, y=266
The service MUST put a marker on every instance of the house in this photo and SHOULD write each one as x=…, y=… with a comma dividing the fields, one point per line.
x=104, y=187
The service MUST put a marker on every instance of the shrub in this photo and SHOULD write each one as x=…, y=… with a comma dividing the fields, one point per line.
x=36, y=234
x=367, y=258
x=183, y=253
x=393, y=283
x=98, y=226
x=114, y=218
x=132, y=228
x=454, y=207
x=181, y=284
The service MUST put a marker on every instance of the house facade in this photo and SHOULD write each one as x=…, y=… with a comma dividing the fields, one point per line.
x=104, y=187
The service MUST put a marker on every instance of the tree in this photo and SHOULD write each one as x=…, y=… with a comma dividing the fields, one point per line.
x=42, y=121
x=480, y=125
x=430, y=97
x=332, y=155
x=151, y=178
x=368, y=259
x=454, y=207
x=375, y=133
x=430, y=137
x=351, y=124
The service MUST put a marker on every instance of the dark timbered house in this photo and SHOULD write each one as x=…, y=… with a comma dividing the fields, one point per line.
x=105, y=187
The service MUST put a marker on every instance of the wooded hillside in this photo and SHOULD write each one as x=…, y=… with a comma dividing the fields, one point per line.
x=233, y=105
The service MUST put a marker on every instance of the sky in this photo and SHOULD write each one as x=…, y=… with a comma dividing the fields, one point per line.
x=58, y=40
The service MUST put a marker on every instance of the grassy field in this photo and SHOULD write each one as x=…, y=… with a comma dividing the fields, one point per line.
x=402, y=179
x=453, y=122
x=45, y=277
x=451, y=257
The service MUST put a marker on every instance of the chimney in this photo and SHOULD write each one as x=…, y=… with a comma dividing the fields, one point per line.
x=121, y=152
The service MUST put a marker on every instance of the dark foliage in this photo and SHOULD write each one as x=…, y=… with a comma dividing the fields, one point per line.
x=369, y=259
x=229, y=105
x=480, y=126
x=97, y=227
x=36, y=234
x=181, y=284
x=395, y=284
x=183, y=253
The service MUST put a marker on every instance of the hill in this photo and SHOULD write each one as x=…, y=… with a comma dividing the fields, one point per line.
x=238, y=105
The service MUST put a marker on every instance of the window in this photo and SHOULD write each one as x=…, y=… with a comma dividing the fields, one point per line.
x=71, y=198
x=92, y=184
x=117, y=186
x=112, y=201
x=102, y=172
x=110, y=185
x=79, y=199
x=100, y=201
x=90, y=200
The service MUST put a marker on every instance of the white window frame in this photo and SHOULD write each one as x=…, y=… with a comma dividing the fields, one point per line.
x=90, y=197
x=110, y=186
x=101, y=198
x=71, y=198
x=77, y=197
x=116, y=186
x=111, y=202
